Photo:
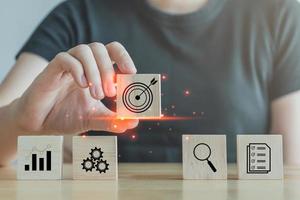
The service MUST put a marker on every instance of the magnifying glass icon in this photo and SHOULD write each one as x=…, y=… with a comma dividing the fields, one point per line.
x=202, y=152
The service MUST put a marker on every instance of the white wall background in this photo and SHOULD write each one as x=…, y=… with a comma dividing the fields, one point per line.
x=18, y=18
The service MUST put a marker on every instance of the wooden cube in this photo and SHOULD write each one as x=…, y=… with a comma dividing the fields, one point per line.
x=204, y=157
x=138, y=95
x=95, y=157
x=40, y=157
x=259, y=156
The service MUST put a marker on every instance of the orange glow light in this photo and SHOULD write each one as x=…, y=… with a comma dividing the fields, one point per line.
x=163, y=118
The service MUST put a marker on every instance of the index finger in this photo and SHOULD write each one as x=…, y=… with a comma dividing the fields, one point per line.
x=121, y=57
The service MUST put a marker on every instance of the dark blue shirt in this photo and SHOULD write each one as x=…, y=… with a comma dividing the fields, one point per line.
x=233, y=56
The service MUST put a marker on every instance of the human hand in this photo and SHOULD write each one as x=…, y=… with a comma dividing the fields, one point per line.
x=65, y=97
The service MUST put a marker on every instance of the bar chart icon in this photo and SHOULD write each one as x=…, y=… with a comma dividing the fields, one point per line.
x=40, y=161
x=40, y=157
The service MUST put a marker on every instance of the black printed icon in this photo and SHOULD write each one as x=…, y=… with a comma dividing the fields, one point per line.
x=258, y=158
x=202, y=152
x=138, y=97
x=95, y=161
x=40, y=159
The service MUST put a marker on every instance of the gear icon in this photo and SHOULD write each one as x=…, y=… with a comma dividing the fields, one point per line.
x=102, y=166
x=96, y=153
x=95, y=161
x=88, y=164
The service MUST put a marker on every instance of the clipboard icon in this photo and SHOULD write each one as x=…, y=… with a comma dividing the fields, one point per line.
x=258, y=158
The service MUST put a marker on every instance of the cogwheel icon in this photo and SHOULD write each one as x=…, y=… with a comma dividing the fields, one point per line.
x=96, y=153
x=102, y=166
x=87, y=164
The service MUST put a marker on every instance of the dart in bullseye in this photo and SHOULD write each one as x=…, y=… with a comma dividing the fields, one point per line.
x=152, y=82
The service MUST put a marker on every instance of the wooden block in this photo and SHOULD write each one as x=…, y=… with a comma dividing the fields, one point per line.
x=95, y=157
x=204, y=157
x=138, y=95
x=40, y=157
x=259, y=156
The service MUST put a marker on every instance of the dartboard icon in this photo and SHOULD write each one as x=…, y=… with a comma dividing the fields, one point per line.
x=138, y=97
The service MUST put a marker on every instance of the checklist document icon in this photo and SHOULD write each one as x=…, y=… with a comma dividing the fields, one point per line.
x=258, y=158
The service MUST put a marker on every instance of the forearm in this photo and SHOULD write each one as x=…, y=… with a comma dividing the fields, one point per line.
x=285, y=121
x=13, y=86
x=291, y=141
x=21, y=75
x=9, y=133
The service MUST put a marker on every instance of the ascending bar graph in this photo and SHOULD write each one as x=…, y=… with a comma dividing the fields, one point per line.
x=38, y=164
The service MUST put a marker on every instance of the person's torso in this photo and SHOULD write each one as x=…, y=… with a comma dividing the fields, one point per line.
x=221, y=55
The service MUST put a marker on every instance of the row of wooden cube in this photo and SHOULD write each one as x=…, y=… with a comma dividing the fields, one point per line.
x=253, y=153
x=87, y=150
x=95, y=157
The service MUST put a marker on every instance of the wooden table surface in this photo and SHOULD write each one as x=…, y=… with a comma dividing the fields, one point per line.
x=150, y=181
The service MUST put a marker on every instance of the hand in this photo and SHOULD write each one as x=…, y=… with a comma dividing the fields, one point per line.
x=65, y=97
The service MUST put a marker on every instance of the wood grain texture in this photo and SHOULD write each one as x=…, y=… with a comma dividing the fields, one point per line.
x=197, y=169
x=152, y=95
x=144, y=181
x=82, y=147
x=273, y=144
x=39, y=145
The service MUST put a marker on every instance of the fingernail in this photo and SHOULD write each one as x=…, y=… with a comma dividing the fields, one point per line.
x=111, y=90
x=130, y=67
x=100, y=94
x=133, y=124
x=94, y=91
x=83, y=81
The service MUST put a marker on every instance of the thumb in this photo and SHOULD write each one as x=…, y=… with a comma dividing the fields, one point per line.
x=103, y=119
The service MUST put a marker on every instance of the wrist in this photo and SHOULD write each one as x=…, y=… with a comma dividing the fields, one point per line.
x=10, y=118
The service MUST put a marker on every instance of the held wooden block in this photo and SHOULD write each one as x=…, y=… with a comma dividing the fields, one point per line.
x=95, y=157
x=259, y=156
x=40, y=157
x=138, y=95
x=204, y=157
